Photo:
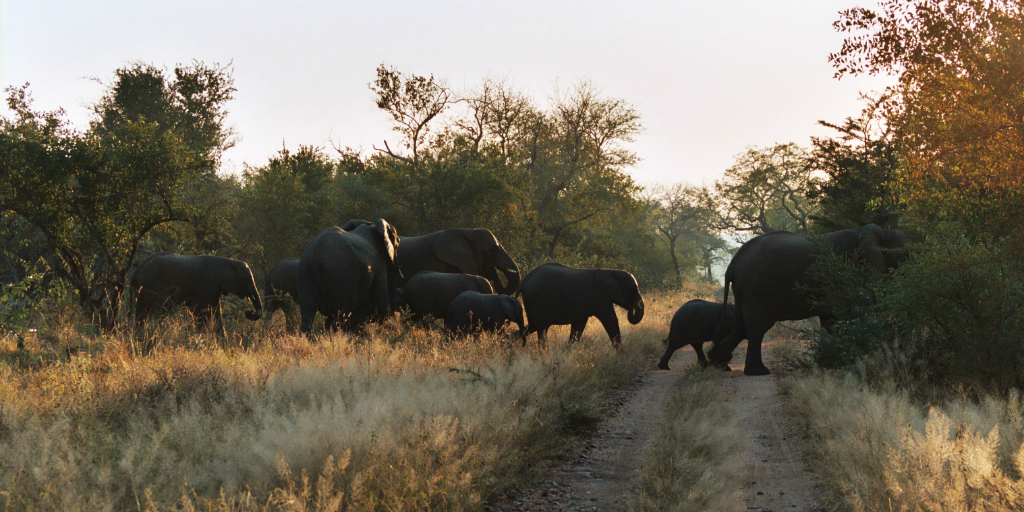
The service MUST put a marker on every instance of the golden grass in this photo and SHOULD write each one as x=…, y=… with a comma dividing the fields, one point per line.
x=693, y=461
x=396, y=418
x=878, y=451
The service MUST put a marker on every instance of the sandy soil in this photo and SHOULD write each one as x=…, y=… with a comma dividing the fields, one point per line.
x=775, y=471
x=600, y=473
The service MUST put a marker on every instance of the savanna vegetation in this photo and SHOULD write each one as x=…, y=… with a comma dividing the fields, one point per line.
x=910, y=401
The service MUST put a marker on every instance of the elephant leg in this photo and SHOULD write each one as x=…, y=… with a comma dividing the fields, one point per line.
x=289, y=317
x=332, y=321
x=200, y=318
x=307, y=303
x=380, y=300
x=576, y=330
x=753, y=364
x=698, y=348
x=674, y=343
x=143, y=309
x=611, y=325
x=218, y=320
x=721, y=353
x=542, y=336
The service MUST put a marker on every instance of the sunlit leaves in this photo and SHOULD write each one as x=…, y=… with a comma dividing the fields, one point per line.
x=959, y=113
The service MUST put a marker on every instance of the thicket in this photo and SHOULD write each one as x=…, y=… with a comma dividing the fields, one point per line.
x=951, y=317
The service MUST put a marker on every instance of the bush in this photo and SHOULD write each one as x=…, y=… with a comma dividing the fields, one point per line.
x=950, y=318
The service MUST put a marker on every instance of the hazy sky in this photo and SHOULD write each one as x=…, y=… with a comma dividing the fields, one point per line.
x=709, y=78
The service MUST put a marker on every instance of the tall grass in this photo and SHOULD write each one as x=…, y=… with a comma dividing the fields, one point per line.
x=879, y=451
x=693, y=459
x=396, y=418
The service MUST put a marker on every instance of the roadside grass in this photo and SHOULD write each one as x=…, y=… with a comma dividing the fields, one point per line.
x=879, y=450
x=394, y=418
x=693, y=459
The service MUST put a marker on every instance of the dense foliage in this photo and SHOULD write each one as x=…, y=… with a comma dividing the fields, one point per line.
x=952, y=317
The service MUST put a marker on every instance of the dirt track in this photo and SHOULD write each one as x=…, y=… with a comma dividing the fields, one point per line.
x=600, y=473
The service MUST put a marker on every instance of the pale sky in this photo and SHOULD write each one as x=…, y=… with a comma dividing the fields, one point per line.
x=708, y=78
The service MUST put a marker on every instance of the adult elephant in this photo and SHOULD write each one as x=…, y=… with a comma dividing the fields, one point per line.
x=281, y=291
x=460, y=251
x=195, y=282
x=555, y=294
x=769, y=278
x=429, y=293
x=348, y=274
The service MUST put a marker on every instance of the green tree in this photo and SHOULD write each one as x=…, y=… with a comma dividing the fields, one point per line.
x=284, y=203
x=860, y=167
x=550, y=183
x=766, y=190
x=577, y=162
x=686, y=217
x=95, y=195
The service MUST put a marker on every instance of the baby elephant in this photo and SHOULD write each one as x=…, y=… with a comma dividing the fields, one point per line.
x=694, y=323
x=473, y=311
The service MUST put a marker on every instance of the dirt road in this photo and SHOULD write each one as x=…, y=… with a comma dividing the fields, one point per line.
x=601, y=472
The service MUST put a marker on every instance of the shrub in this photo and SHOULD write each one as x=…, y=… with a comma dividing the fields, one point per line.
x=950, y=318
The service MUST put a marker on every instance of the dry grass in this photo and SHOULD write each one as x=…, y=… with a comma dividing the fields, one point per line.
x=396, y=418
x=693, y=462
x=878, y=451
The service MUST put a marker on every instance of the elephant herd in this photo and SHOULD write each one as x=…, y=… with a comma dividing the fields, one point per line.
x=365, y=270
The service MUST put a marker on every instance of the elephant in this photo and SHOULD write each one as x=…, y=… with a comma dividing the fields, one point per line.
x=195, y=282
x=472, y=311
x=769, y=277
x=694, y=323
x=280, y=290
x=429, y=293
x=460, y=251
x=348, y=274
x=555, y=294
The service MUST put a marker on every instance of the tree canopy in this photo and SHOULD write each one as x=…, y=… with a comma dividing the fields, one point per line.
x=958, y=111
x=94, y=195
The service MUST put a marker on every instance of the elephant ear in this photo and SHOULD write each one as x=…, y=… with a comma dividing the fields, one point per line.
x=510, y=307
x=869, y=240
x=355, y=223
x=455, y=249
x=611, y=283
x=388, y=238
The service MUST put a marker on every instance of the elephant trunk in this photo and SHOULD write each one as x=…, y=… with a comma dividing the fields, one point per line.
x=636, y=312
x=257, y=305
x=507, y=266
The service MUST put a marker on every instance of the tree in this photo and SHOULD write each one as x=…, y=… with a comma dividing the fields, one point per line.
x=95, y=195
x=499, y=116
x=413, y=101
x=577, y=159
x=191, y=105
x=284, y=203
x=551, y=183
x=766, y=190
x=860, y=167
x=958, y=112
x=686, y=217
